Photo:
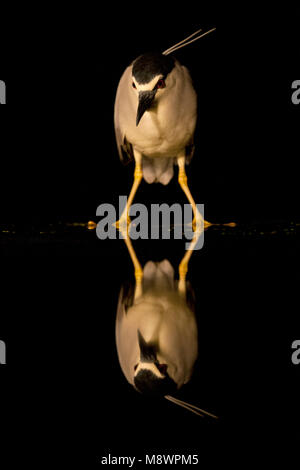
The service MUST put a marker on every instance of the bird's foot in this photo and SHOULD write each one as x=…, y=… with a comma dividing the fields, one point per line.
x=199, y=224
x=123, y=223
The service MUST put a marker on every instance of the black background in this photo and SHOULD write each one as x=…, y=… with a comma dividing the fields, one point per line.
x=61, y=87
x=64, y=398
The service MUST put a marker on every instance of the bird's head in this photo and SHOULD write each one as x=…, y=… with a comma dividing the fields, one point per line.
x=151, y=78
x=151, y=376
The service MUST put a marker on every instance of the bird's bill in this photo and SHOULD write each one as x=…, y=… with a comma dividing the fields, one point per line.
x=145, y=101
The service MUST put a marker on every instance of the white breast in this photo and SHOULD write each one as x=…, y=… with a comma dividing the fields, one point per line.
x=162, y=316
x=168, y=126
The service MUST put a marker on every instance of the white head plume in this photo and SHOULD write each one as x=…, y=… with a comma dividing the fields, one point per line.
x=187, y=41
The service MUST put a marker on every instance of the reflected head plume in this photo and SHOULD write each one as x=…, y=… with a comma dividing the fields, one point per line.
x=157, y=341
x=188, y=406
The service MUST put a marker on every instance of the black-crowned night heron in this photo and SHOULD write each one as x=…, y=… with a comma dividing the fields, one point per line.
x=155, y=118
x=156, y=334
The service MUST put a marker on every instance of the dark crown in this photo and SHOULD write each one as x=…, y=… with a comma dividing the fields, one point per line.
x=147, y=66
x=147, y=383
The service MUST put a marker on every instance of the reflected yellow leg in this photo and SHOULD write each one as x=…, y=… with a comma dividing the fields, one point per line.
x=124, y=220
x=183, y=265
x=198, y=221
x=138, y=270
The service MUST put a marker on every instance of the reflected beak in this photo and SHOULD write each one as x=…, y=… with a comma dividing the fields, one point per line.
x=147, y=350
x=145, y=101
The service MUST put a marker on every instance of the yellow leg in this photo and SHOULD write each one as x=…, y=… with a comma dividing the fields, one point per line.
x=183, y=269
x=124, y=220
x=198, y=222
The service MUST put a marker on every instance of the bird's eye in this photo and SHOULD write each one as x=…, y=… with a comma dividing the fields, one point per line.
x=135, y=367
x=162, y=368
x=161, y=83
x=133, y=84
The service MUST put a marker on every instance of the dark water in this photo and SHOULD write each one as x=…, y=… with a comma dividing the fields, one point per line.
x=63, y=372
x=78, y=237
x=64, y=400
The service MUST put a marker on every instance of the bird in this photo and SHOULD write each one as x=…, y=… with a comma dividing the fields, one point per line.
x=155, y=115
x=156, y=334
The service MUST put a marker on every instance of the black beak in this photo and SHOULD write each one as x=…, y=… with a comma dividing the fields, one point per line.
x=147, y=350
x=145, y=101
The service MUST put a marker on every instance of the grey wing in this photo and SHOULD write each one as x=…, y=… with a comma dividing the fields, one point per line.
x=124, y=147
x=123, y=345
x=192, y=99
x=126, y=298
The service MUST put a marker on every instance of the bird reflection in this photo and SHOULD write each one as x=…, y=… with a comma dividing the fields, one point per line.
x=155, y=117
x=156, y=328
x=156, y=332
